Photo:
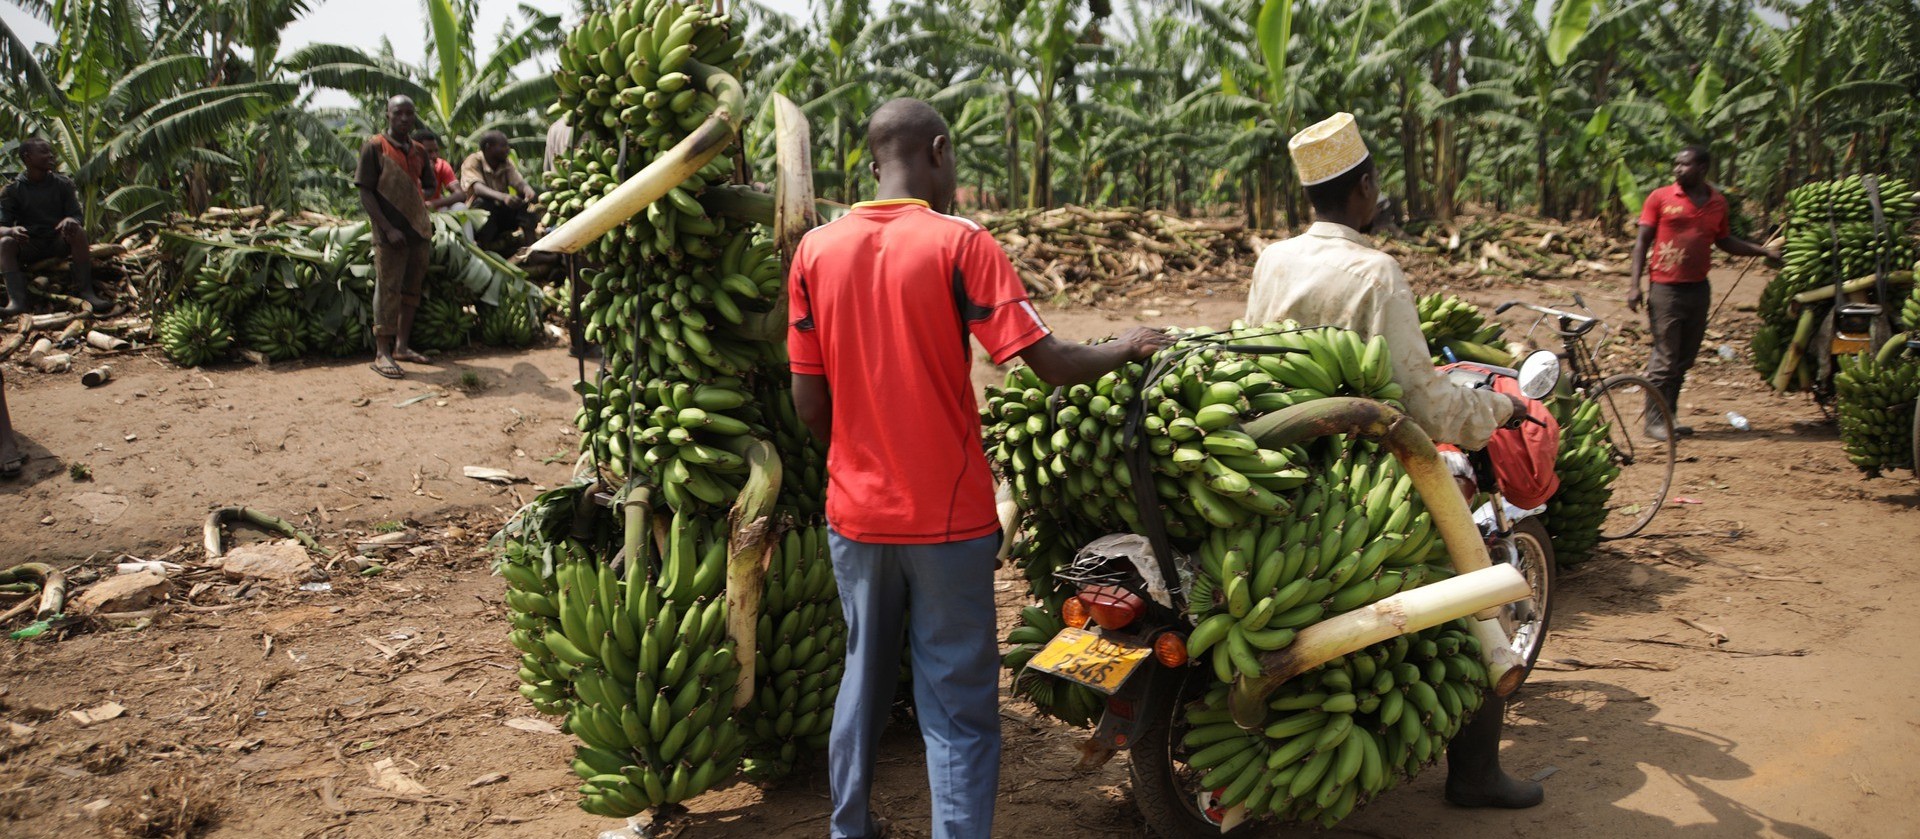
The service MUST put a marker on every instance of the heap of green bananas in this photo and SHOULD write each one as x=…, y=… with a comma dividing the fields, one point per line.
x=297, y=289
x=442, y=323
x=511, y=324
x=1448, y=322
x=682, y=302
x=1578, y=510
x=1339, y=735
x=1831, y=238
x=1875, y=399
x=192, y=334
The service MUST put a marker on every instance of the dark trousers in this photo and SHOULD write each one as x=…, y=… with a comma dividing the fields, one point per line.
x=502, y=221
x=1677, y=312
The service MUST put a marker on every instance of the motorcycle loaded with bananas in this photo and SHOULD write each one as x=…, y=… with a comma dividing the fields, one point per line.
x=1258, y=576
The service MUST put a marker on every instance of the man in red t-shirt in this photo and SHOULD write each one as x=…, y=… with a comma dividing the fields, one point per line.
x=1681, y=223
x=883, y=301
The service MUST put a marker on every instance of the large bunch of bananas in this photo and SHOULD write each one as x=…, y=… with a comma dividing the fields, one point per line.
x=442, y=323
x=633, y=649
x=633, y=71
x=1450, y=323
x=1578, y=510
x=192, y=334
x=1875, y=399
x=1832, y=238
x=276, y=331
x=1341, y=734
x=509, y=325
x=1059, y=448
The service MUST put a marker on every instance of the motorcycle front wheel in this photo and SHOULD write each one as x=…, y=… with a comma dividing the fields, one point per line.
x=1525, y=621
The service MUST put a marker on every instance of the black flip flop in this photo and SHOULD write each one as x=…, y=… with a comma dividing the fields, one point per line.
x=392, y=372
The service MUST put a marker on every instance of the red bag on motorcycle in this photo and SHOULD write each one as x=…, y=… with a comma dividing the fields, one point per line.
x=1523, y=458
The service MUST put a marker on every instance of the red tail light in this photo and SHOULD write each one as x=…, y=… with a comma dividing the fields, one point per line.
x=1112, y=607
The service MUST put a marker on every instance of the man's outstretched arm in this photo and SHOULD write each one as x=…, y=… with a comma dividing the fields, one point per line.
x=1060, y=363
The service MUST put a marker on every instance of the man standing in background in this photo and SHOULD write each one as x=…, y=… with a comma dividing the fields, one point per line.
x=394, y=178
x=1681, y=223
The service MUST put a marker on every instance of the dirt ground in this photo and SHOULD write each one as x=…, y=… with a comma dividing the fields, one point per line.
x=1739, y=671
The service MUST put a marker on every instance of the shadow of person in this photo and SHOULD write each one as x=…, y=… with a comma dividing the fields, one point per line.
x=41, y=464
x=481, y=380
x=1615, y=772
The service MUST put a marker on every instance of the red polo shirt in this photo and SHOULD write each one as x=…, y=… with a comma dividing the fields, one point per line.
x=1684, y=233
x=882, y=302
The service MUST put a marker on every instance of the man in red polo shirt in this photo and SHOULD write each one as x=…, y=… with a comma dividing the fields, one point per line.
x=883, y=301
x=1681, y=223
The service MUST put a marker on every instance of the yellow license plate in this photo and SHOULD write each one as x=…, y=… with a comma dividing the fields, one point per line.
x=1086, y=657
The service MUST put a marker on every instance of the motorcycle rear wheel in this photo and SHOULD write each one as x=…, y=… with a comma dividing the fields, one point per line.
x=1525, y=622
x=1164, y=790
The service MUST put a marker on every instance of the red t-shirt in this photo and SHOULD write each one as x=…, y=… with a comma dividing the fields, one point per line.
x=1684, y=233
x=443, y=177
x=877, y=300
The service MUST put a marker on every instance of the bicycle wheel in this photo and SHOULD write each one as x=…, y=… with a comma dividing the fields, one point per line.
x=1646, y=466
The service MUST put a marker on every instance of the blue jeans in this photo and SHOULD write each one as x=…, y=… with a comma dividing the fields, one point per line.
x=948, y=591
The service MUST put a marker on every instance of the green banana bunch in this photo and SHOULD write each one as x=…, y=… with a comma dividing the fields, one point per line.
x=1578, y=510
x=192, y=333
x=1340, y=735
x=511, y=324
x=1448, y=320
x=1875, y=401
x=632, y=70
x=801, y=655
x=441, y=324
x=226, y=293
x=1059, y=448
x=276, y=331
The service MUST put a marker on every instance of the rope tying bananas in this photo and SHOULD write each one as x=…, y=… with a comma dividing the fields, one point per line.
x=1280, y=538
x=632, y=622
x=295, y=290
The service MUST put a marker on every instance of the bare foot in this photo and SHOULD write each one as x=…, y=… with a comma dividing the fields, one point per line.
x=407, y=354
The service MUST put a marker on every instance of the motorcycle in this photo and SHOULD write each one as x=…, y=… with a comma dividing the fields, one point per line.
x=1127, y=626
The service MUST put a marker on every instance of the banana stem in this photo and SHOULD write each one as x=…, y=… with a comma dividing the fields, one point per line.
x=1790, y=362
x=53, y=586
x=1891, y=349
x=210, y=531
x=664, y=173
x=793, y=212
x=751, y=525
x=1409, y=611
x=1410, y=444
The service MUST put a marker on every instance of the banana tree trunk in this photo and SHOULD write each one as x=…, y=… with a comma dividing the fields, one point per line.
x=666, y=172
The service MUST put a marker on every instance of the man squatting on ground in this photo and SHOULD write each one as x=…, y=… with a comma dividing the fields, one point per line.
x=1681, y=222
x=40, y=218
x=882, y=303
x=394, y=178
x=494, y=184
x=1331, y=275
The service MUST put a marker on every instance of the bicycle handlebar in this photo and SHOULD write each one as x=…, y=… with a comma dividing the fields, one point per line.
x=1583, y=323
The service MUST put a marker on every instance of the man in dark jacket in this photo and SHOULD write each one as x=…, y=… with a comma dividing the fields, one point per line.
x=40, y=218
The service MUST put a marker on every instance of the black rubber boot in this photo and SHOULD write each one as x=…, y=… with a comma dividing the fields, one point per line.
x=83, y=285
x=16, y=294
x=1474, y=777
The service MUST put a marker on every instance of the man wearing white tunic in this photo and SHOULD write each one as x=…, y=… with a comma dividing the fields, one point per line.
x=1331, y=275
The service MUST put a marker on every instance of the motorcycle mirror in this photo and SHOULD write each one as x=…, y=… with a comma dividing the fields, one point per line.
x=1539, y=374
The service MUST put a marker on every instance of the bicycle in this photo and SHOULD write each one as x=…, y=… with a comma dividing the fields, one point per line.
x=1646, y=467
